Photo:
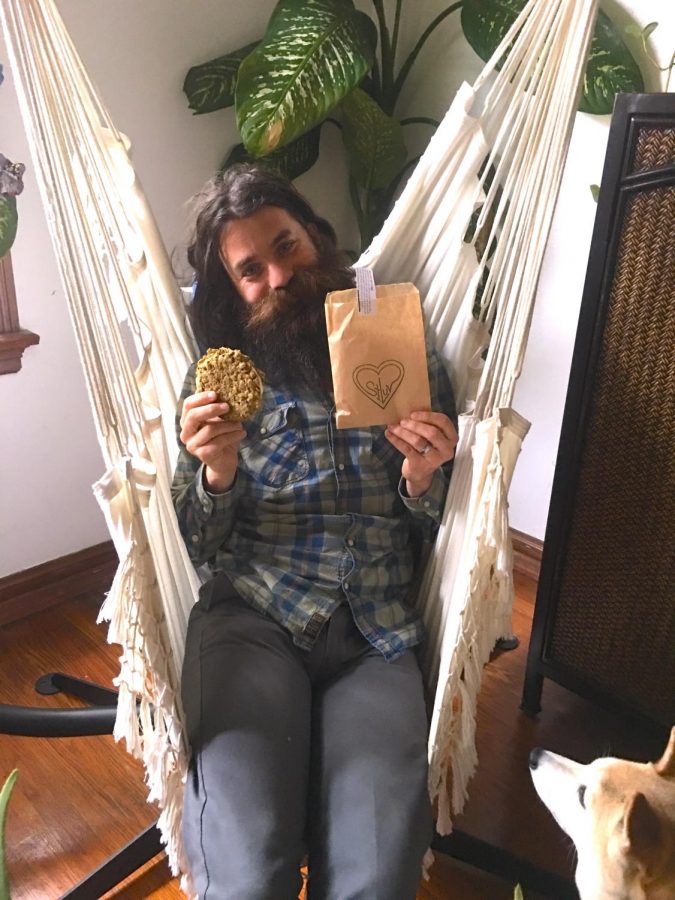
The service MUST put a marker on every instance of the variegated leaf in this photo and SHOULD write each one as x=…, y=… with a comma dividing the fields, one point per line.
x=373, y=140
x=313, y=54
x=292, y=160
x=610, y=69
x=8, y=223
x=210, y=86
x=485, y=22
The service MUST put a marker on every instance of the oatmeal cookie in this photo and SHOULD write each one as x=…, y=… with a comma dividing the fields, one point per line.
x=234, y=378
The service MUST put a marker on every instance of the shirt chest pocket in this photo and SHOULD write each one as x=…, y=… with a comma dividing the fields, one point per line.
x=274, y=452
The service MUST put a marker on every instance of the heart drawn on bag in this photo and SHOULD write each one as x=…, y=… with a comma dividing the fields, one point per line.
x=379, y=383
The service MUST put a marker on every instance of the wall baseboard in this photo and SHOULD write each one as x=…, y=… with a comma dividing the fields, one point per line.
x=74, y=575
x=527, y=552
x=93, y=569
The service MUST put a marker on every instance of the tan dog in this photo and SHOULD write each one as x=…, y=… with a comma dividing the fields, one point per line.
x=621, y=817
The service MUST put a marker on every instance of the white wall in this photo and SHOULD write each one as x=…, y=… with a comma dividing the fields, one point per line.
x=540, y=394
x=48, y=451
x=541, y=390
x=137, y=54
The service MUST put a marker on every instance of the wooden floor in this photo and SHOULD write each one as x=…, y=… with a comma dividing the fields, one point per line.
x=79, y=799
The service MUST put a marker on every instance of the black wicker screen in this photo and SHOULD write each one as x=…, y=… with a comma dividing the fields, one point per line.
x=604, y=622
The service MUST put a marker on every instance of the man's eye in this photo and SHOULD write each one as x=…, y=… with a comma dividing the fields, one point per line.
x=251, y=272
x=581, y=793
x=286, y=247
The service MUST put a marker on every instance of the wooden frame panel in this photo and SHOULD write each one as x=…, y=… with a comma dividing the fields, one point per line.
x=630, y=176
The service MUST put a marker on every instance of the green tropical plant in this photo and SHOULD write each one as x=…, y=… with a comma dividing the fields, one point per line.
x=11, y=185
x=643, y=34
x=5, y=794
x=325, y=61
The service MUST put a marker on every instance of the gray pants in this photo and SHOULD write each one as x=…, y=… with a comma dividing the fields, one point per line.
x=321, y=753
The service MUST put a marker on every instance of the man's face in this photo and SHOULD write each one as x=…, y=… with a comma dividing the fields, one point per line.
x=262, y=252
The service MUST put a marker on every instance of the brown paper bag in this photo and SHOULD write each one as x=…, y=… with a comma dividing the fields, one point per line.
x=378, y=359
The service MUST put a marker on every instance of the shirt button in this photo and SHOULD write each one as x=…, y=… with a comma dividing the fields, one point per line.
x=341, y=467
x=346, y=585
x=426, y=503
x=194, y=538
x=350, y=542
x=263, y=431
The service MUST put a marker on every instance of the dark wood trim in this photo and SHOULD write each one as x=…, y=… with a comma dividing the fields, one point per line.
x=618, y=186
x=527, y=552
x=84, y=572
x=12, y=345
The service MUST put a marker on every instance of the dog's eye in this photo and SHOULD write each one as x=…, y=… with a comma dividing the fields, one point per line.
x=581, y=793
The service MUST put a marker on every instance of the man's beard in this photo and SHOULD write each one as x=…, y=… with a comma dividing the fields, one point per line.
x=285, y=332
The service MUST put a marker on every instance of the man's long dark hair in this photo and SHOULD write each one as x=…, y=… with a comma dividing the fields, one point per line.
x=237, y=193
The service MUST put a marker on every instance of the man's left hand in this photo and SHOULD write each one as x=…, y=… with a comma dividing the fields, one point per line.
x=427, y=440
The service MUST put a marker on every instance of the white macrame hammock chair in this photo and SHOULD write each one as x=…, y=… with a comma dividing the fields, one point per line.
x=129, y=319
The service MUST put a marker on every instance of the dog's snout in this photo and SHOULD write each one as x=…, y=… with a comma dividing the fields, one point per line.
x=535, y=756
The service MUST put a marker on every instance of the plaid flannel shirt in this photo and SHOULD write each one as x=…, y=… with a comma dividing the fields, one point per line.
x=315, y=517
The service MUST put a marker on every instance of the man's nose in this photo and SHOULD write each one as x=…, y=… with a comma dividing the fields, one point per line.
x=278, y=275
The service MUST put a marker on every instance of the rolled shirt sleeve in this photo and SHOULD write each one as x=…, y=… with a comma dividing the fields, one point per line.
x=427, y=509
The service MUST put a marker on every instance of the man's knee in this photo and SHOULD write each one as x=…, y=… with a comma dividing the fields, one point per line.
x=239, y=844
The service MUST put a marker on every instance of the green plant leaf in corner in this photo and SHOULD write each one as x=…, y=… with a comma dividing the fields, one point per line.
x=8, y=223
x=210, y=86
x=5, y=794
x=595, y=191
x=373, y=140
x=313, y=54
x=292, y=160
x=610, y=69
x=518, y=893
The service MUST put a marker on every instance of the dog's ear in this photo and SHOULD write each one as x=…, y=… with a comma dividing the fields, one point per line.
x=643, y=836
x=666, y=765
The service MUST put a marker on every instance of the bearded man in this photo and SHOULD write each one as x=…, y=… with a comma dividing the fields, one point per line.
x=302, y=693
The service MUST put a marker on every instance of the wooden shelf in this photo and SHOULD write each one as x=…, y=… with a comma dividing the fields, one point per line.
x=12, y=345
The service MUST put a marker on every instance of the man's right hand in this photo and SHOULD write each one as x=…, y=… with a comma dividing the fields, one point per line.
x=214, y=442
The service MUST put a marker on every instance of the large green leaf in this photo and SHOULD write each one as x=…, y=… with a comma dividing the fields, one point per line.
x=485, y=22
x=292, y=160
x=8, y=223
x=313, y=54
x=610, y=69
x=210, y=86
x=373, y=140
x=5, y=794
